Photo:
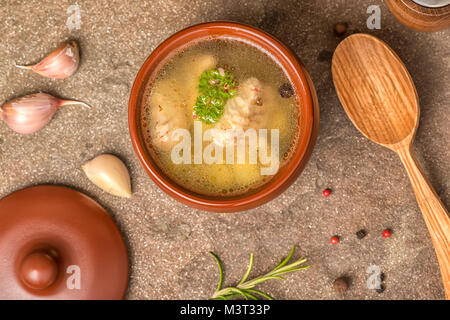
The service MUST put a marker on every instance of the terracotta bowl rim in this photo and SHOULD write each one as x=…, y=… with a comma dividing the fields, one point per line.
x=309, y=109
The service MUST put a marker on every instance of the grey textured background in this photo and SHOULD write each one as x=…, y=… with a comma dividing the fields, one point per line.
x=168, y=242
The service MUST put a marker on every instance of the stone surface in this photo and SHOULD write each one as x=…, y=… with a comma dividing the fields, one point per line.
x=168, y=242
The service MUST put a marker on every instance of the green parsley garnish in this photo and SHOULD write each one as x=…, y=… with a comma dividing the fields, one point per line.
x=216, y=86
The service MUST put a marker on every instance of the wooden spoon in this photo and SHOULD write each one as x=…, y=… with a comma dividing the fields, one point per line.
x=380, y=99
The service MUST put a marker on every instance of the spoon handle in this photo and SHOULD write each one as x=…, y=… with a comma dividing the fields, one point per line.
x=434, y=213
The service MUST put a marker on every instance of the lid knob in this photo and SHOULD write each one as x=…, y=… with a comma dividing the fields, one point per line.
x=38, y=270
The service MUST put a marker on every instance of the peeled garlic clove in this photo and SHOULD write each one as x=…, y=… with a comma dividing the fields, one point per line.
x=110, y=174
x=31, y=113
x=60, y=63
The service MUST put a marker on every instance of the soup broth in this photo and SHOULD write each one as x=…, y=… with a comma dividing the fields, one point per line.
x=255, y=93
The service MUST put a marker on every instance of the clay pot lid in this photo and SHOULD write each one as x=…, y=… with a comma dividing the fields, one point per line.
x=57, y=243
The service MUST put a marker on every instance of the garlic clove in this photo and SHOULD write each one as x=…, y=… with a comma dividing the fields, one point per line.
x=31, y=113
x=109, y=173
x=60, y=63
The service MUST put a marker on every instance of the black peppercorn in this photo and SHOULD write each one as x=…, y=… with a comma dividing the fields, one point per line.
x=286, y=90
x=361, y=234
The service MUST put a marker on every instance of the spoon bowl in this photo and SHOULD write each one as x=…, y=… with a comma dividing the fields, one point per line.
x=380, y=98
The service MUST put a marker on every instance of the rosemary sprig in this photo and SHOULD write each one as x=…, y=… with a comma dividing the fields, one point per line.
x=245, y=288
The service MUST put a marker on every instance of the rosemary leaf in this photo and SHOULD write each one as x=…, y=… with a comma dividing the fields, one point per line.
x=286, y=260
x=296, y=269
x=251, y=295
x=263, y=294
x=242, y=292
x=252, y=283
x=288, y=267
x=249, y=269
x=219, y=286
x=231, y=296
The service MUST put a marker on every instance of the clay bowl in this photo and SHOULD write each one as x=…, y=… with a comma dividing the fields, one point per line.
x=307, y=103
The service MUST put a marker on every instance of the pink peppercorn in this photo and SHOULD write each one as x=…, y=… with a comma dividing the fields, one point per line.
x=334, y=240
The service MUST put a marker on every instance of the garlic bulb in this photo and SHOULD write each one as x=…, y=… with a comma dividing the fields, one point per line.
x=60, y=63
x=110, y=174
x=30, y=113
